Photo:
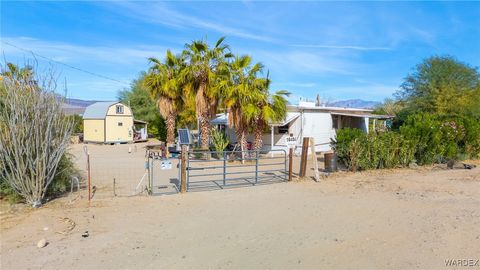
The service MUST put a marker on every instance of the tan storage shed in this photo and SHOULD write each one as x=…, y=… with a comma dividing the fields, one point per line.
x=108, y=122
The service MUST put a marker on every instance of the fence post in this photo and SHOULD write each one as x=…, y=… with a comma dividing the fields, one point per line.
x=314, y=159
x=256, y=166
x=224, y=167
x=290, y=164
x=148, y=168
x=183, y=173
x=89, y=179
x=303, y=161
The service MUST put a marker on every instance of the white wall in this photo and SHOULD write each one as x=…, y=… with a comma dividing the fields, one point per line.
x=315, y=124
x=319, y=126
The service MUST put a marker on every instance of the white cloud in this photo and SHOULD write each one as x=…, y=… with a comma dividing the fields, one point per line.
x=91, y=72
x=69, y=53
x=288, y=62
x=160, y=13
x=347, y=47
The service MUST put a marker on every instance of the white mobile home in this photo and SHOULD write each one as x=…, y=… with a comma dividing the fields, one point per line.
x=308, y=120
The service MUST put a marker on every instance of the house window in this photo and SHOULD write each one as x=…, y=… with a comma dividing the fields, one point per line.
x=283, y=129
x=120, y=124
x=119, y=109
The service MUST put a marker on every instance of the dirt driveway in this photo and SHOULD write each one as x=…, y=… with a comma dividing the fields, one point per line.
x=395, y=219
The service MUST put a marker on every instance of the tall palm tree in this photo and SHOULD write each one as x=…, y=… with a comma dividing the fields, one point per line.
x=203, y=70
x=242, y=91
x=164, y=84
x=266, y=108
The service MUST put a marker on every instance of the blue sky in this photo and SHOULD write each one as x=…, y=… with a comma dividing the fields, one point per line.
x=340, y=50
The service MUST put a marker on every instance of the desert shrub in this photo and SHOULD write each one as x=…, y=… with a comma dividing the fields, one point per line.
x=7, y=192
x=34, y=135
x=60, y=185
x=219, y=140
x=463, y=132
x=425, y=130
x=361, y=151
x=441, y=138
x=77, y=123
x=63, y=176
x=346, y=145
x=472, y=137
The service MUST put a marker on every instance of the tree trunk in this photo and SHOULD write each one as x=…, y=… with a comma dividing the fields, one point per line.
x=171, y=128
x=205, y=132
x=203, y=114
x=258, y=143
x=241, y=140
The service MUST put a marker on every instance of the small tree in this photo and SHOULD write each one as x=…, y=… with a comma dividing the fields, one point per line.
x=34, y=135
x=442, y=85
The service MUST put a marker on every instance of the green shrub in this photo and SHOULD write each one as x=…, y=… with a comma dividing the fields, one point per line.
x=7, y=192
x=472, y=137
x=441, y=138
x=361, y=151
x=219, y=140
x=425, y=130
x=77, y=123
x=346, y=145
x=63, y=177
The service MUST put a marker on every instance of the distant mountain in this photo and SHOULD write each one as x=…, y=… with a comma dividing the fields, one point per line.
x=79, y=102
x=354, y=103
x=76, y=106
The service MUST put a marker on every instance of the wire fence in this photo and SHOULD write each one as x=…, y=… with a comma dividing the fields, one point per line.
x=114, y=170
x=130, y=170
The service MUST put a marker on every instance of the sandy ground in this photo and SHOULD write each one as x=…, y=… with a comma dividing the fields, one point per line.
x=388, y=219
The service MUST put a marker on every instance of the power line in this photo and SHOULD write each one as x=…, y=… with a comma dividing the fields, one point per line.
x=67, y=65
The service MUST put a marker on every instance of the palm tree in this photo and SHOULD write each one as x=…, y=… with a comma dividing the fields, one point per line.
x=203, y=71
x=267, y=108
x=242, y=91
x=19, y=75
x=164, y=84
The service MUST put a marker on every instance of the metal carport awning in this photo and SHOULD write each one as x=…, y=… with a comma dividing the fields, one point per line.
x=291, y=116
x=222, y=119
x=364, y=115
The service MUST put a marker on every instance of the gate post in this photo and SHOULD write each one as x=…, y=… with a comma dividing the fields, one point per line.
x=89, y=179
x=290, y=164
x=183, y=170
x=303, y=161
x=148, y=168
x=224, y=167
x=256, y=166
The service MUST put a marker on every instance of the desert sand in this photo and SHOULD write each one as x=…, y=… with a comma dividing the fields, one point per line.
x=385, y=219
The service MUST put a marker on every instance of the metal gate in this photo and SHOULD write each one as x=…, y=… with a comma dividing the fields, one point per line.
x=163, y=174
x=208, y=170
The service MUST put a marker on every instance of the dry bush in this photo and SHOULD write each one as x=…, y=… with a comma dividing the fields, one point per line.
x=34, y=135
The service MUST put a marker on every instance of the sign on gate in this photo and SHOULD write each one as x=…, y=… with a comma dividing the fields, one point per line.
x=291, y=142
x=166, y=164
